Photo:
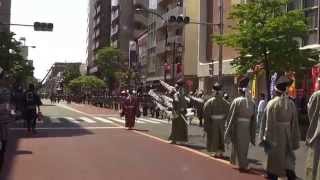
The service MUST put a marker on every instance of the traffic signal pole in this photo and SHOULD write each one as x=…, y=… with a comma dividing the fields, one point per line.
x=220, y=46
x=37, y=26
x=25, y=25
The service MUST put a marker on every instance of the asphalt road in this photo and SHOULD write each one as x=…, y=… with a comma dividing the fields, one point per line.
x=81, y=142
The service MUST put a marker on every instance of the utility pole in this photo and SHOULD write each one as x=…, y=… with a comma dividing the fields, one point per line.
x=220, y=46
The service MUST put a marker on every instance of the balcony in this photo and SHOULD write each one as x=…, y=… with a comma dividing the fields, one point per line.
x=161, y=45
x=114, y=15
x=114, y=30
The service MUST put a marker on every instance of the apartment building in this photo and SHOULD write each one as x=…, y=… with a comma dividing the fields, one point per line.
x=5, y=10
x=311, y=11
x=99, y=22
x=127, y=25
x=189, y=49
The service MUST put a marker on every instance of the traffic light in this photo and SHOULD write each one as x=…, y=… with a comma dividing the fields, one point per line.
x=179, y=19
x=39, y=26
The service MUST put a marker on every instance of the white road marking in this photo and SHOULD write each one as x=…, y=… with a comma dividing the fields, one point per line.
x=139, y=122
x=116, y=120
x=104, y=120
x=87, y=120
x=153, y=122
x=55, y=120
x=159, y=120
x=71, y=120
x=68, y=128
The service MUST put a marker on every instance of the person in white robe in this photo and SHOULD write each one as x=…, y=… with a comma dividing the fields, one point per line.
x=280, y=133
x=241, y=127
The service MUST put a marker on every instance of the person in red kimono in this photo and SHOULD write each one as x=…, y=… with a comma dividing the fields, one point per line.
x=130, y=110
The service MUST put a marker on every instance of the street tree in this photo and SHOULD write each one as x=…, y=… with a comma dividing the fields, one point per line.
x=86, y=83
x=109, y=65
x=71, y=72
x=11, y=60
x=264, y=33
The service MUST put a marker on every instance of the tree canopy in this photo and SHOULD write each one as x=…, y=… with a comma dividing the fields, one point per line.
x=71, y=72
x=109, y=65
x=11, y=60
x=264, y=33
x=86, y=82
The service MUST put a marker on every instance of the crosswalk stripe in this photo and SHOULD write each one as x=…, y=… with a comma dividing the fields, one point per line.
x=153, y=122
x=158, y=120
x=104, y=120
x=87, y=120
x=139, y=121
x=116, y=119
x=55, y=120
x=71, y=120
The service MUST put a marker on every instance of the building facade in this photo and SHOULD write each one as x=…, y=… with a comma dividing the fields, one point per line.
x=52, y=84
x=5, y=11
x=99, y=20
x=127, y=25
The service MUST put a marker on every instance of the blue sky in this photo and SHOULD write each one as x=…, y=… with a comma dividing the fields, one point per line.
x=67, y=43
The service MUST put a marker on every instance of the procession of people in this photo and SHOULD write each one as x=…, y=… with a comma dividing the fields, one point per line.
x=273, y=124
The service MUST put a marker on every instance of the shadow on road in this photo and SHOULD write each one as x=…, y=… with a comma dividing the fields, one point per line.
x=16, y=135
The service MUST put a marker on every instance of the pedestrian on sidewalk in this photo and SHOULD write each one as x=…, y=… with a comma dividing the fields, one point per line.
x=312, y=139
x=240, y=126
x=280, y=133
x=6, y=114
x=261, y=107
x=179, y=128
x=215, y=112
x=130, y=109
x=32, y=108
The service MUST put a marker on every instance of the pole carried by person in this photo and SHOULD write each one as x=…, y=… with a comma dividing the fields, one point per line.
x=280, y=133
x=215, y=112
x=241, y=126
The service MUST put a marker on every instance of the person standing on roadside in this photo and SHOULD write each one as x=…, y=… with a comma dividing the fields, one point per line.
x=32, y=103
x=6, y=114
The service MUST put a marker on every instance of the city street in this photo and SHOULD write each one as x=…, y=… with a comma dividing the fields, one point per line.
x=83, y=142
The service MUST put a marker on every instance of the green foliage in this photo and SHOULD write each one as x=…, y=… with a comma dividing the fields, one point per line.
x=71, y=72
x=86, y=82
x=264, y=33
x=11, y=60
x=109, y=65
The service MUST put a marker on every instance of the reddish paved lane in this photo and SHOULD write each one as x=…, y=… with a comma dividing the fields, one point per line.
x=113, y=154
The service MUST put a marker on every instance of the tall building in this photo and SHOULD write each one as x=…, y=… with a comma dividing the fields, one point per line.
x=99, y=21
x=311, y=11
x=189, y=49
x=5, y=10
x=160, y=55
x=126, y=25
